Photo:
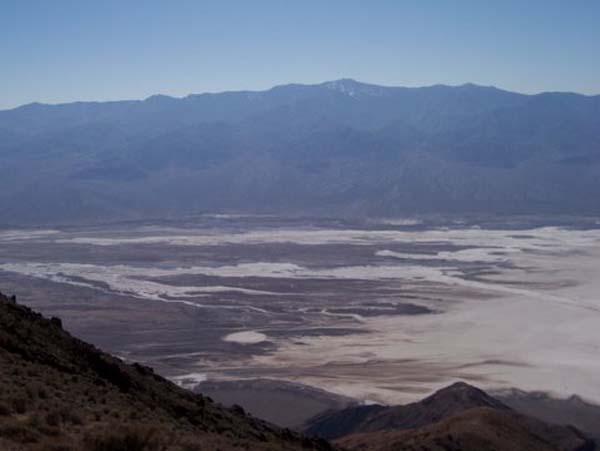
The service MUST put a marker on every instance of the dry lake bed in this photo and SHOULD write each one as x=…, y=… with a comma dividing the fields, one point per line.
x=379, y=310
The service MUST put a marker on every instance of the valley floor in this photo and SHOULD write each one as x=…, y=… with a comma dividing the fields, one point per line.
x=384, y=311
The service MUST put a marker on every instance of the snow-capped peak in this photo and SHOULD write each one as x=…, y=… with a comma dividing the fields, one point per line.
x=352, y=87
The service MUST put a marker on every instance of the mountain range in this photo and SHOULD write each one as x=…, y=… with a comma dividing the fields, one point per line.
x=335, y=148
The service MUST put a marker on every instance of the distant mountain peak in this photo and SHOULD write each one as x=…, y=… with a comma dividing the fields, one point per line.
x=352, y=87
x=475, y=86
x=463, y=395
x=159, y=98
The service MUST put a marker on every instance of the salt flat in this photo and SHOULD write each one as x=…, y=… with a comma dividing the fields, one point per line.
x=382, y=311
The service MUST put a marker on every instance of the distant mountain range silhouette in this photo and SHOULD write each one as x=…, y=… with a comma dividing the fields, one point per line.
x=340, y=147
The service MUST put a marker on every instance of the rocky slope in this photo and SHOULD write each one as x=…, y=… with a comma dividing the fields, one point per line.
x=572, y=410
x=474, y=429
x=441, y=405
x=458, y=417
x=59, y=393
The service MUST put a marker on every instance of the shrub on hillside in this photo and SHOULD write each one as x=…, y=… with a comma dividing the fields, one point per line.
x=128, y=439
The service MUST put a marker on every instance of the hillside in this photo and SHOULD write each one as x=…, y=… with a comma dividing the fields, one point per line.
x=475, y=429
x=59, y=393
x=572, y=410
x=441, y=405
x=336, y=148
x=458, y=417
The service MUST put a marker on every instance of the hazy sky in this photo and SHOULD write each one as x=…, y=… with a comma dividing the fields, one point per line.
x=59, y=50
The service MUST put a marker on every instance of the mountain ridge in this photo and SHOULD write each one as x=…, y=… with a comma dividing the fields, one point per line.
x=343, y=148
x=160, y=96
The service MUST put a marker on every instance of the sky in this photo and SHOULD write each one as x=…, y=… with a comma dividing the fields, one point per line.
x=56, y=51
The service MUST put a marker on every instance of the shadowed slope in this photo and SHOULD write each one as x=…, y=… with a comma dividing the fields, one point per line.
x=59, y=391
x=458, y=417
x=442, y=404
x=477, y=429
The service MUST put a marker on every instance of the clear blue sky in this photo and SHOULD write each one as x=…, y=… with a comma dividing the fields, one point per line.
x=59, y=50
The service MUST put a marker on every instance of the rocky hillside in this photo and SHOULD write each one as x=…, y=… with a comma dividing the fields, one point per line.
x=442, y=404
x=572, y=410
x=473, y=430
x=58, y=393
